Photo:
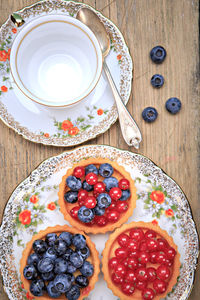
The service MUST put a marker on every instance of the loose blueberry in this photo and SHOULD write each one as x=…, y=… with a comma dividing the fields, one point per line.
x=173, y=105
x=87, y=186
x=50, y=239
x=47, y=276
x=70, y=268
x=30, y=272
x=67, y=237
x=33, y=259
x=52, y=291
x=99, y=211
x=158, y=54
x=85, y=214
x=60, y=246
x=63, y=282
x=37, y=287
x=45, y=265
x=60, y=266
x=149, y=114
x=125, y=195
x=85, y=252
x=157, y=80
x=76, y=260
x=79, y=241
x=67, y=254
x=87, y=269
x=82, y=281
x=110, y=183
x=103, y=200
x=50, y=253
x=71, y=197
x=106, y=170
x=39, y=246
x=91, y=169
x=73, y=183
x=73, y=293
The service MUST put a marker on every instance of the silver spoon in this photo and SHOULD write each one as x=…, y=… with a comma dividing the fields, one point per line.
x=129, y=128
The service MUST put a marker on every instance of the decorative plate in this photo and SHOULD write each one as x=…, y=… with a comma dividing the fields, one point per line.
x=33, y=207
x=66, y=126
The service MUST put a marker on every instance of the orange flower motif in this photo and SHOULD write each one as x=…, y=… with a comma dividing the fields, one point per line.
x=25, y=217
x=9, y=54
x=22, y=286
x=154, y=222
x=100, y=112
x=73, y=131
x=66, y=125
x=4, y=88
x=157, y=196
x=28, y=296
x=46, y=135
x=14, y=30
x=34, y=199
x=169, y=213
x=86, y=290
x=119, y=57
x=51, y=206
x=3, y=55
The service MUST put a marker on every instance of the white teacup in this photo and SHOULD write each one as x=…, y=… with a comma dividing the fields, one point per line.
x=56, y=60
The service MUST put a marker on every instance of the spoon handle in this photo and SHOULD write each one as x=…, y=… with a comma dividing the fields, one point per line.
x=130, y=131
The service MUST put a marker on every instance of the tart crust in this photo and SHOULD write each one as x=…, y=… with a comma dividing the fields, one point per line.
x=93, y=258
x=106, y=256
x=119, y=172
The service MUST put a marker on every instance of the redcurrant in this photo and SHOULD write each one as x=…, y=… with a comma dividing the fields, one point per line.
x=124, y=184
x=115, y=193
x=91, y=178
x=79, y=172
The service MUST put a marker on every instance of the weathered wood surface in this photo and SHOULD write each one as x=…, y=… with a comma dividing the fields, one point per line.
x=172, y=141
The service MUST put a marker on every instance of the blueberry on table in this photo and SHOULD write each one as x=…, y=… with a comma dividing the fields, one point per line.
x=87, y=269
x=103, y=200
x=106, y=170
x=39, y=246
x=63, y=282
x=60, y=266
x=45, y=265
x=82, y=281
x=85, y=252
x=71, y=197
x=76, y=259
x=173, y=105
x=85, y=214
x=79, y=241
x=110, y=183
x=30, y=272
x=158, y=54
x=74, y=183
x=125, y=195
x=52, y=291
x=50, y=239
x=37, y=287
x=67, y=237
x=91, y=169
x=73, y=293
x=149, y=114
x=157, y=80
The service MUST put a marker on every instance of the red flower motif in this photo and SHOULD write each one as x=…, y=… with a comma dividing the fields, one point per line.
x=66, y=125
x=14, y=30
x=3, y=55
x=73, y=131
x=86, y=290
x=119, y=57
x=169, y=213
x=51, y=206
x=100, y=112
x=22, y=286
x=154, y=222
x=46, y=135
x=25, y=217
x=9, y=54
x=157, y=196
x=34, y=199
x=28, y=296
x=4, y=88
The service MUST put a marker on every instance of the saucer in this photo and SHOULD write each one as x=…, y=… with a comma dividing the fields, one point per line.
x=33, y=206
x=72, y=125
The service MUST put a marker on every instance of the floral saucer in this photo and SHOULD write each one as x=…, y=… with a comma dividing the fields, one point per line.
x=33, y=206
x=67, y=126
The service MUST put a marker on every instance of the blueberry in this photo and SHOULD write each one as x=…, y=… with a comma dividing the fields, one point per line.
x=103, y=200
x=37, y=287
x=71, y=197
x=85, y=214
x=158, y=54
x=63, y=282
x=50, y=239
x=82, y=281
x=91, y=169
x=70, y=268
x=125, y=195
x=60, y=266
x=33, y=259
x=149, y=114
x=87, y=269
x=67, y=237
x=52, y=291
x=45, y=265
x=110, y=183
x=30, y=272
x=47, y=276
x=50, y=253
x=85, y=252
x=79, y=241
x=67, y=254
x=173, y=105
x=87, y=186
x=73, y=293
x=39, y=246
x=157, y=80
x=106, y=170
x=73, y=183
x=99, y=211
x=60, y=247
x=76, y=260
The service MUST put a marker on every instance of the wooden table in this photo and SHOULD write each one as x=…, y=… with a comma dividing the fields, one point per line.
x=172, y=141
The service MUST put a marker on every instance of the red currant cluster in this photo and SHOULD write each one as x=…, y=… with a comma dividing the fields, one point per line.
x=142, y=262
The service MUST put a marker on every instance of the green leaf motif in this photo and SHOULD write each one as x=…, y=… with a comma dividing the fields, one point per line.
x=19, y=243
x=146, y=206
x=147, y=201
x=138, y=179
x=90, y=117
x=5, y=78
x=174, y=207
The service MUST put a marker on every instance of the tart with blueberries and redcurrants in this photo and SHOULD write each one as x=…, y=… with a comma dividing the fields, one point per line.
x=140, y=261
x=97, y=195
x=59, y=262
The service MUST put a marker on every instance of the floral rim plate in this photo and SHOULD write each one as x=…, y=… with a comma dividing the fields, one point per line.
x=33, y=207
x=67, y=126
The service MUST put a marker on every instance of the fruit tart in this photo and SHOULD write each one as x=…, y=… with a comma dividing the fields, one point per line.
x=140, y=261
x=59, y=262
x=97, y=195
